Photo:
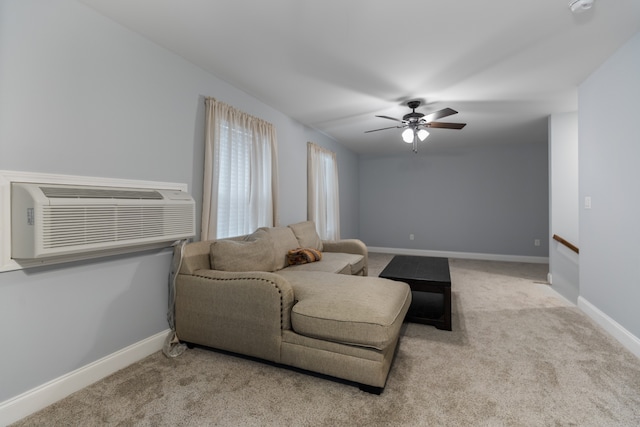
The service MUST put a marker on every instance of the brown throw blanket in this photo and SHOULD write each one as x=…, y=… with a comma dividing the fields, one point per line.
x=303, y=256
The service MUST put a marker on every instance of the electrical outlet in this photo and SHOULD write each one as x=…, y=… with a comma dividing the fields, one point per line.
x=536, y=242
x=411, y=237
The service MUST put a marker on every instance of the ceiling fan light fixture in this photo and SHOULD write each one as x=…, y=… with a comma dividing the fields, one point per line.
x=407, y=135
x=577, y=6
x=422, y=134
x=415, y=122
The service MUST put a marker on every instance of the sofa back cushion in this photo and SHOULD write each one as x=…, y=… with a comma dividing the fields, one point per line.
x=248, y=255
x=282, y=239
x=307, y=235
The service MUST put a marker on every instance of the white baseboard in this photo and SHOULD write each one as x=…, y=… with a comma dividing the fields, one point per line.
x=626, y=338
x=463, y=255
x=44, y=395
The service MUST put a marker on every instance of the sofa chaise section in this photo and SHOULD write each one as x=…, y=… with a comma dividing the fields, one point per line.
x=324, y=316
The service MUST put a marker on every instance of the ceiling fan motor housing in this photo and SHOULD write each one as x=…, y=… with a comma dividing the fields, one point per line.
x=413, y=116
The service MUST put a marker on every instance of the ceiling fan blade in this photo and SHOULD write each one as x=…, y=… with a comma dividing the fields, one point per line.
x=390, y=118
x=445, y=125
x=439, y=114
x=391, y=127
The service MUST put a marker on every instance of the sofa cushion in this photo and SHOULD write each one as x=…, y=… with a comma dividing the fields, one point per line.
x=332, y=262
x=253, y=255
x=356, y=262
x=307, y=235
x=282, y=239
x=364, y=311
x=260, y=233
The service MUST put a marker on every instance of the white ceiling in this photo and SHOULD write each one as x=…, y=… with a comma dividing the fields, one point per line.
x=333, y=65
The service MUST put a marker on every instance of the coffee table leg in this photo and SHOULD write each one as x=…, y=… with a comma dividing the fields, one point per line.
x=444, y=322
x=446, y=310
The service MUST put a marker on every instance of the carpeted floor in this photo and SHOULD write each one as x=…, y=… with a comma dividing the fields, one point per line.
x=518, y=355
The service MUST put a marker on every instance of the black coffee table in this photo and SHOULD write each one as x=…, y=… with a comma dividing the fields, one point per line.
x=430, y=282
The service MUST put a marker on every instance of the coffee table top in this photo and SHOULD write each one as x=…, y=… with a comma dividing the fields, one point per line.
x=421, y=268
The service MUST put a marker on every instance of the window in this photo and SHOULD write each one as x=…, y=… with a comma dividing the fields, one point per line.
x=240, y=173
x=322, y=191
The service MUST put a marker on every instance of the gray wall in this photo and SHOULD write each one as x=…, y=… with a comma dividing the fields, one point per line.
x=485, y=200
x=564, y=204
x=609, y=149
x=82, y=95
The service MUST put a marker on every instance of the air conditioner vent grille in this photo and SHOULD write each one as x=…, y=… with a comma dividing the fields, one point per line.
x=71, y=226
x=99, y=193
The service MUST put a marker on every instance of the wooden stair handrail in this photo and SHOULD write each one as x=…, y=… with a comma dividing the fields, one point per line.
x=571, y=246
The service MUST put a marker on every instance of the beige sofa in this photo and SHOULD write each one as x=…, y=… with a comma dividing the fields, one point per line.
x=240, y=295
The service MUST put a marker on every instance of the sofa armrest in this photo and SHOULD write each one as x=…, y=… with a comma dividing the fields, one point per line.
x=242, y=312
x=348, y=246
x=195, y=256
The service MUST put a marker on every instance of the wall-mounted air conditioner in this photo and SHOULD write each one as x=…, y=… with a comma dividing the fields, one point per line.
x=57, y=220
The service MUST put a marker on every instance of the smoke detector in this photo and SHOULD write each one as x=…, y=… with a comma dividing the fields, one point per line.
x=578, y=6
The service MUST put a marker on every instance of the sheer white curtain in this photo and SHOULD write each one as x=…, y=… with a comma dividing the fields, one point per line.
x=322, y=191
x=240, y=173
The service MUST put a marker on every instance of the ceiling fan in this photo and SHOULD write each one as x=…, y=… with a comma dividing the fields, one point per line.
x=416, y=123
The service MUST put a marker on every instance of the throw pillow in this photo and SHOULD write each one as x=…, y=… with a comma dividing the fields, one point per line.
x=283, y=239
x=307, y=235
x=303, y=256
x=255, y=255
x=257, y=235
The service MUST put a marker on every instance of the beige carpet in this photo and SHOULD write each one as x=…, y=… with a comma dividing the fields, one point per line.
x=518, y=355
